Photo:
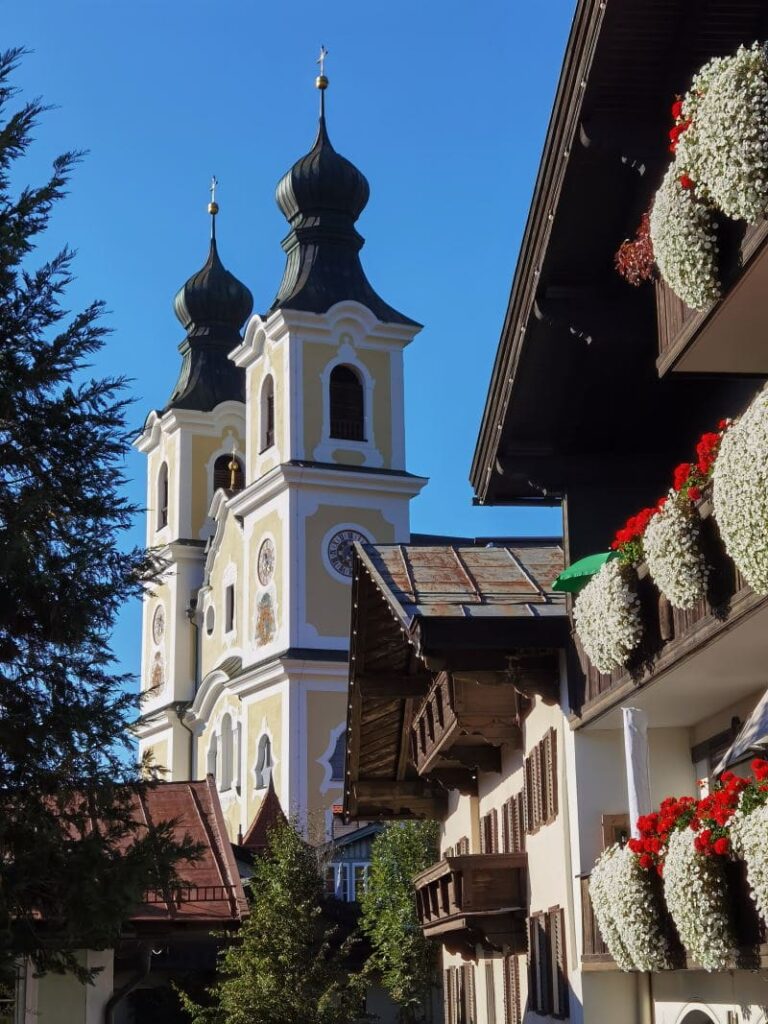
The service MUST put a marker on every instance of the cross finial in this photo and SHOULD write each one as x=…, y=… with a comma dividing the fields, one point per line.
x=213, y=206
x=321, y=60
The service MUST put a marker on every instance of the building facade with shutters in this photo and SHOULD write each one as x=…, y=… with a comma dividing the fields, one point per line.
x=533, y=758
x=281, y=444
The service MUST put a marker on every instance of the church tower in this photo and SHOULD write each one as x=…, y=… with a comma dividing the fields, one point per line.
x=322, y=432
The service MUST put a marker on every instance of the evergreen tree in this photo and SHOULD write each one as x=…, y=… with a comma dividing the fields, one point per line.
x=72, y=859
x=286, y=965
x=402, y=958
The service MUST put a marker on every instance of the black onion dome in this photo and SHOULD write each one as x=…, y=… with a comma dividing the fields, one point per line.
x=321, y=197
x=213, y=296
x=212, y=307
x=323, y=181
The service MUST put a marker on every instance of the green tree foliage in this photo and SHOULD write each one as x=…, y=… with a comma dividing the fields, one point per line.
x=73, y=859
x=286, y=965
x=405, y=961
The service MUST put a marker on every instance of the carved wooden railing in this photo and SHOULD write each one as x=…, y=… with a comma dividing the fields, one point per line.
x=475, y=898
x=677, y=323
x=670, y=634
x=465, y=721
x=748, y=929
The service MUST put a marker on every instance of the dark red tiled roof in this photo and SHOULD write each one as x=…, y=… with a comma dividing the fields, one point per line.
x=211, y=893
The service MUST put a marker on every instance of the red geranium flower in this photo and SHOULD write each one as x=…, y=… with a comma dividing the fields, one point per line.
x=685, y=181
x=694, y=493
x=680, y=475
x=722, y=846
x=760, y=769
x=677, y=110
x=646, y=861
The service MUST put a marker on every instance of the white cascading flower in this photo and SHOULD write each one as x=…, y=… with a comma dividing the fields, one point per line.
x=607, y=617
x=672, y=550
x=748, y=832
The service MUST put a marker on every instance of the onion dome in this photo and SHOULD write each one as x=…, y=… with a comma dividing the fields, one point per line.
x=322, y=196
x=213, y=298
x=212, y=307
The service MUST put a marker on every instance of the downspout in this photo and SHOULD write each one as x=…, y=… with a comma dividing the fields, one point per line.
x=145, y=965
x=180, y=708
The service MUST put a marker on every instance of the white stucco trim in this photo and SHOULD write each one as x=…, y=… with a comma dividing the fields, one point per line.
x=325, y=760
x=346, y=356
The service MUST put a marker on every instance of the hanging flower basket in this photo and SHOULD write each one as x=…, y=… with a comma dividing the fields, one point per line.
x=740, y=493
x=696, y=896
x=607, y=617
x=725, y=148
x=684, y=237
x=627, y=900
x=673, y=553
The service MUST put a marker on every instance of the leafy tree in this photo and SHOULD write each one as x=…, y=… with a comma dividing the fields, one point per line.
x=286, y=965
x=73, y=860
x=405, y=961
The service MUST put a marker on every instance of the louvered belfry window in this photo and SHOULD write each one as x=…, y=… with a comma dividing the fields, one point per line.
x=347, y=402
x=223, y=476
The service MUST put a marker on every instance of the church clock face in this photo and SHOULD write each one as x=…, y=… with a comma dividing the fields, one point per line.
x=265, y=567
x=340, y=550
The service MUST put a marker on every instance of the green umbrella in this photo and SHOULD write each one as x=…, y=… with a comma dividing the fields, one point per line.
x=579, y=574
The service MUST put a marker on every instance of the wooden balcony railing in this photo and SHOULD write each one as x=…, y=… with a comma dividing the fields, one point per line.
x=475, y=899
x=678, y=324
x=748, y=929
x=463, y=722
x=670, y=634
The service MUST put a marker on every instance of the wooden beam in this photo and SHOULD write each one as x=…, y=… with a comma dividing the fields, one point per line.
x=392, y=685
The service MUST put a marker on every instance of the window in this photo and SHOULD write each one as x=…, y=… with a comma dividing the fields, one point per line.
x=347, y=404
x=213, y=758
x=263, y=762
x=330, y=880
x=489, y=832
x=227, y=752
x=210, y=620
x=225, y=477
x=267, y=413
x=541, y=783
x=547, y=976
x=162, y=496
x=360, y=880
x=337, y=758
x=459, y=995
x=229, y=608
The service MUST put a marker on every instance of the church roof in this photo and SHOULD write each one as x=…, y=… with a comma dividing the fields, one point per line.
x=212, y=306
x=270, y=813
x=322, y=196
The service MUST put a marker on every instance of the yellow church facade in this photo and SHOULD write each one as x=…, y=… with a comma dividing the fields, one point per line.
x=282, y=444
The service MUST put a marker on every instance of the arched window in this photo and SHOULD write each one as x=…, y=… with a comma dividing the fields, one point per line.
x=222, y=474
x=263, y=762
x=337, y=758
x=226, y=753
x=212, y=765
x=347, y=404
x=162, y=496
x=267, y=413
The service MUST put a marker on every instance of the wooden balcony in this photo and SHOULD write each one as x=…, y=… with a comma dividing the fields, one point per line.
x=729, y=336
x=675, y=641
x=475, y=899
x=462, y=723
x=749, y=930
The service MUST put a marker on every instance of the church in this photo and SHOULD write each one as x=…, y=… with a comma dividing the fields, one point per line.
x=282, y=443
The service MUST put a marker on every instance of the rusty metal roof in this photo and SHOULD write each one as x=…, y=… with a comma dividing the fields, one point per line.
x=469, y=581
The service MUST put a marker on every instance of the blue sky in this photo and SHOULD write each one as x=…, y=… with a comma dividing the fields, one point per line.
x=443, y=105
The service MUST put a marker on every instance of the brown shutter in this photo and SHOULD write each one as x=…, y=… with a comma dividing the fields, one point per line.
x=558, y=962
x=533, y=988
x=536, y=785
x=448, y=852
x=545, y=963
x=521, y=821
x=482, y=835
x=506, y=831
x=494, y=822
x=490, y=993
x=512, y=1005
x=469, y=987
x=448, y=996
x=529, y=825
x=550, y=771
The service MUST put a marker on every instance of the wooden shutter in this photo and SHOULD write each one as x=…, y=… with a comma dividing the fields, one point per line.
x=448, y=852
x=512, y=1002
x=490, y=993
x=462, y=847
x=539, y=969
x=506, y=830
x=550, y=774
x=538, y=786
x=558, y=962
x=482, y=835
x=528, y=791
x=520, y=821
x=448, y=1003
x=494, y=823
x=469, y=994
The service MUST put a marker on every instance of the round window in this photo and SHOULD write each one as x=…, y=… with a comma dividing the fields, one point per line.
x=210, y=620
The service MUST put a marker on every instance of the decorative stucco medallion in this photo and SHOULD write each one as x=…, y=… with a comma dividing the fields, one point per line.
x=157, y=676
x=158, y=624
x=265, y=620
x=265, y=566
